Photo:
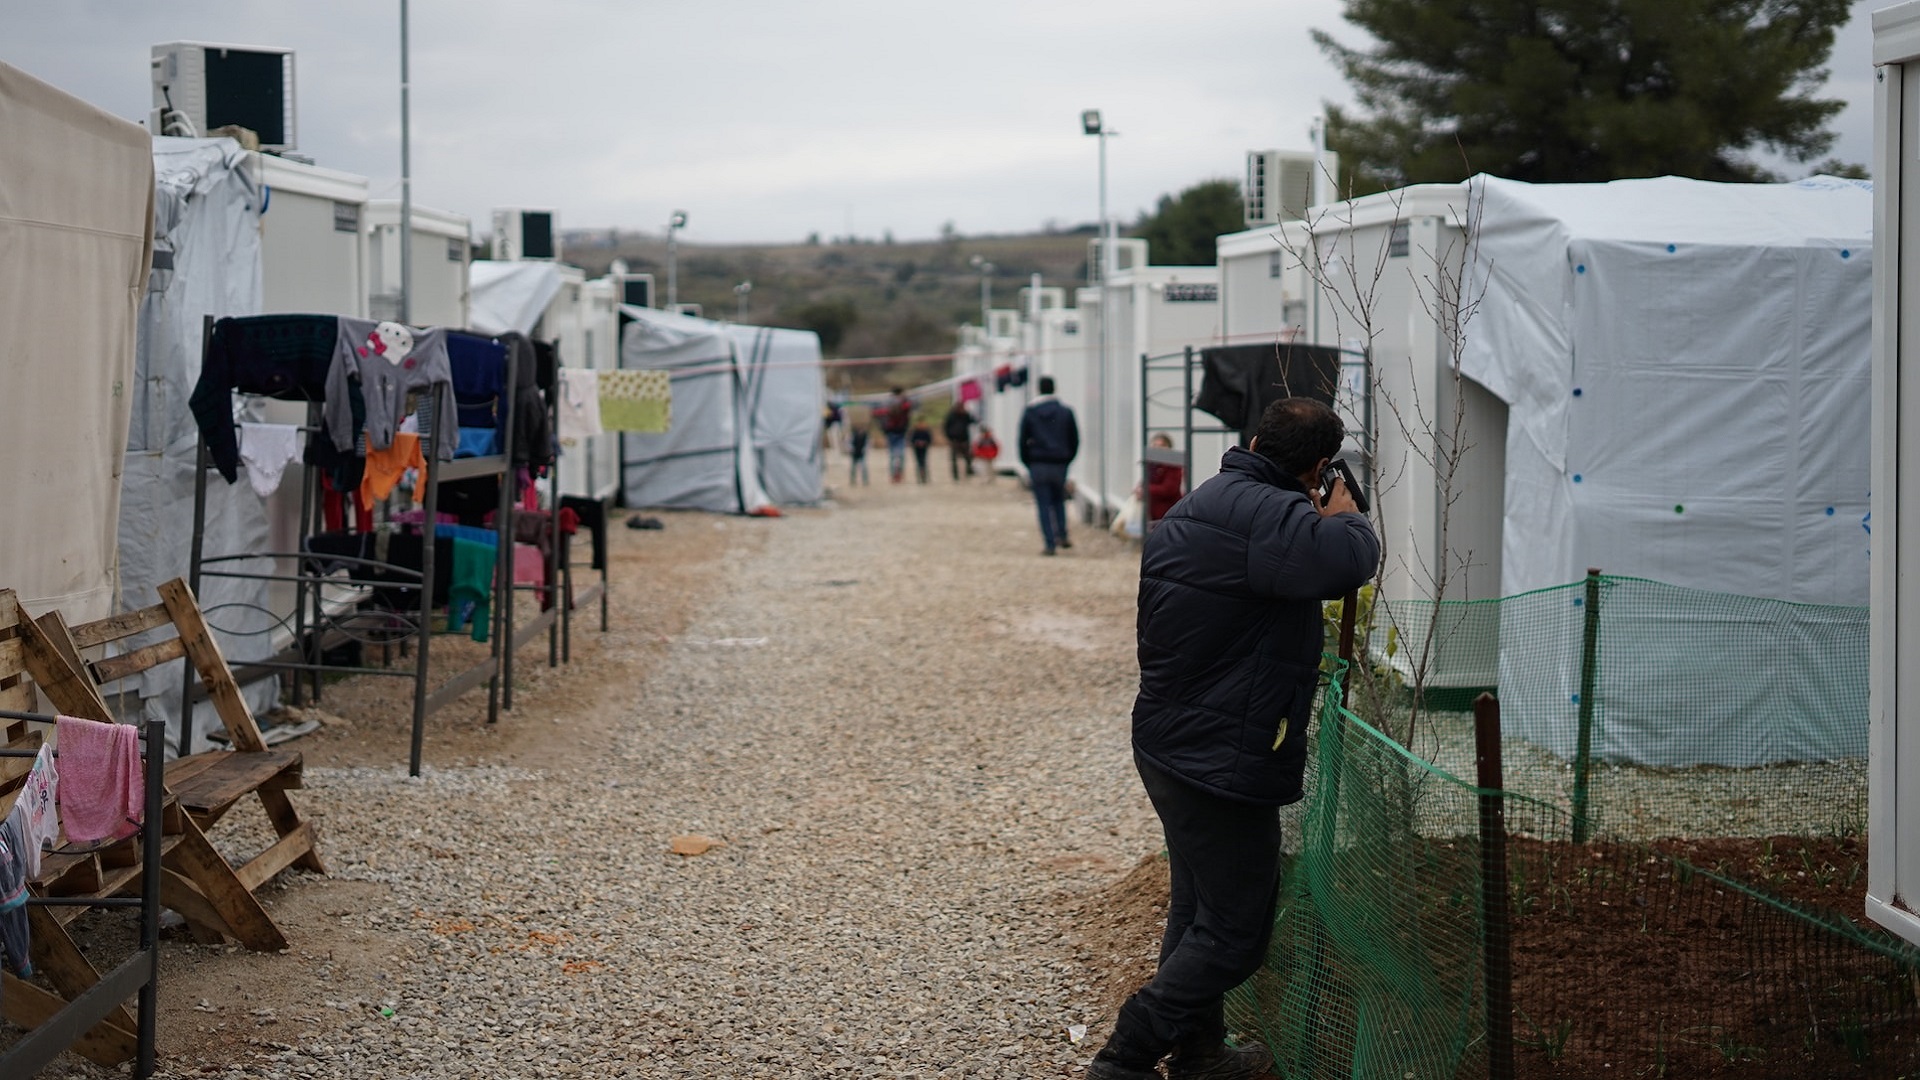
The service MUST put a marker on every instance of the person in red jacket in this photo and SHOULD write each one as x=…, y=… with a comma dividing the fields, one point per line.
x=987, y=448
x=1164, y=482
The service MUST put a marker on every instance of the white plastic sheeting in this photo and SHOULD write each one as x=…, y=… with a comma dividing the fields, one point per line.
x=786, y=394
x=208, y=262
x=76, y=233
x=1686, y=366
x=706, y=460
x=510, y=295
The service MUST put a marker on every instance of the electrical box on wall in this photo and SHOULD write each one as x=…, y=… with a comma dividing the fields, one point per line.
x=214, y=86
x=1893, y=761
x=525, y=236
x=1280, y=185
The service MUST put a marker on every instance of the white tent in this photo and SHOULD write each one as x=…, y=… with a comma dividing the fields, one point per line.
x=207, y=262
x=76, y=231
x=706, y=460
x=510, y=295
x=786, y=394
x=1686, y=367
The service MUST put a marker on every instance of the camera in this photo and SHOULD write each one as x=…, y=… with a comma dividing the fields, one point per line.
x=1337, y=470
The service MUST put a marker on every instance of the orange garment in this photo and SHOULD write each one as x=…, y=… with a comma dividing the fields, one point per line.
x=386, y=467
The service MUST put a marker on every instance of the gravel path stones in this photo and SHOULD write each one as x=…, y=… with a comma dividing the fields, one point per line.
x=906, y=733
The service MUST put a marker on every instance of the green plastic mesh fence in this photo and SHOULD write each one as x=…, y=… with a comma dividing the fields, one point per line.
x=1675, y=957
x=1646, y=710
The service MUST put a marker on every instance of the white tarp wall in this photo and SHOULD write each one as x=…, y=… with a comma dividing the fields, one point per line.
x=705, y=461
x=786, y=393
x=76, y=235
x=207, y=261
x=510, y=295
x=1687, y=367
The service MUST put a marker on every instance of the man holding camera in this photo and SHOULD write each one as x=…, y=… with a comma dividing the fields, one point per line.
x=1230, y=637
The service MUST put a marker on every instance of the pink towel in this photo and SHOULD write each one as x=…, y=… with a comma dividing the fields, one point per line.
x=101, y=786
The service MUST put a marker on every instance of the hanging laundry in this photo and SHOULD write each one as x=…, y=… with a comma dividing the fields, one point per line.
x=284, y=356
x=386, y=467
x=1002, y=378
x=103, y=788
x=268, y=449
x=969, y=391
x=579, y=404
x=390, y=361
x=470, y=593
x=636, y=401
x=14, y=940
x=34, y=813
x=1019, y=376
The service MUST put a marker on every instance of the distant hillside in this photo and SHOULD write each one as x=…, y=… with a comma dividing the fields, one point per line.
x=864, y=298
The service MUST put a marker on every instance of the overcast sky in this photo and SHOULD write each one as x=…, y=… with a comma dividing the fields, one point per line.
x=766, y=120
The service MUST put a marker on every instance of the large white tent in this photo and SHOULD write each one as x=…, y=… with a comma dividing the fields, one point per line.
x=76, y=224
x=510, y=296
x=786, y=393
x=706, y=460
x=1686, y=367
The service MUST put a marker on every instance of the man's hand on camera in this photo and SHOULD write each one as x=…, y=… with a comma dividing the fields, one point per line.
x=1338, y=501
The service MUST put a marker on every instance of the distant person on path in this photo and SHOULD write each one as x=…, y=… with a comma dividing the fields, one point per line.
x=832, y=419
x=958, y=428
x=921, y=439
x=1164, y=481
x=857, y=456
x=1230, y=637
x=896, y=416
x=1049, y=440
x=987, y=449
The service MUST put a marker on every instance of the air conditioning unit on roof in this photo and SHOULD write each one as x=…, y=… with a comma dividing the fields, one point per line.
x=635, y=289
x=1129, y=253
x=1280, y=185
x=214, y=86
x=525, y=236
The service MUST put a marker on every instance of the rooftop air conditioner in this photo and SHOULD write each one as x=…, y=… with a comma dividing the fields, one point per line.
x=213, y=86
x=1280, y=185
x=1129, y=253
x=525, y=236
x=635, y=289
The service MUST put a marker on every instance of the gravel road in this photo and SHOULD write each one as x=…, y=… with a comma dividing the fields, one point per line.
x=904, y=731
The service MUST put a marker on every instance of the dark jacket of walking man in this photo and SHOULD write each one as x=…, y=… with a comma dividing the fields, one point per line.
x=958, y=428
x=1049, y=440
x=1230, y=637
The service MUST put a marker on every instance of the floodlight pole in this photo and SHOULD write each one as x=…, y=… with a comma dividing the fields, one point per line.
x=406, y=178
x=674, y=224
x=743, y=291
x=1091, y=124
x=986, y=294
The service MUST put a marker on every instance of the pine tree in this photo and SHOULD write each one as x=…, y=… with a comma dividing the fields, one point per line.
x=1577, y=90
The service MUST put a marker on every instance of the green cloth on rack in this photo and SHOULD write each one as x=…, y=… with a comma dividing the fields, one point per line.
x=470, y=592
x=636, y=401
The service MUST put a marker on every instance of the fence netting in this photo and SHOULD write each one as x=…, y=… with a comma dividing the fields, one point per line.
x=1695, y=922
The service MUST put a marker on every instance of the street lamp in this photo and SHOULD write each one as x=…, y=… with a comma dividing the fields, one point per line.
x=986, y=292
x=674, y=224
x=743, y=291
x=1090, y=124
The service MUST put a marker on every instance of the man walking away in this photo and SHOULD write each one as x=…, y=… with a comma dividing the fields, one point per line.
x=1049, y=439
x=921, y=439
x=958, y=428
x=1230, y=636
x=896, y=418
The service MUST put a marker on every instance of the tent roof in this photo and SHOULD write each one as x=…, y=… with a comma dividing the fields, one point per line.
x=1676, y=210
x=510, y=295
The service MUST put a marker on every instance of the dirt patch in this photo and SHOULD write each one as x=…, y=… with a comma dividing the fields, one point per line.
x=1116, y=929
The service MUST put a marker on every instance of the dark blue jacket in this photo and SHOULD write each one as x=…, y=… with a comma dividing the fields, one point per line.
x=1231, y=583
x=1048, y=433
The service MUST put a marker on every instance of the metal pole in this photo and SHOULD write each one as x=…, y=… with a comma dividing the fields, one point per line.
x=986, y=297
x=1107, y=263
x=406, y=179
x=673, y=279
x=1495, y=912
x=1583, y=755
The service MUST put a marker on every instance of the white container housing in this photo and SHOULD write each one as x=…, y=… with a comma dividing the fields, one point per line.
x=442, y=253
x=312, y=239
x=1893, y=800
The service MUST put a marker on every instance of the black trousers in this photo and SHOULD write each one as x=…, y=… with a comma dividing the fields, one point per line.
x=1224, y=857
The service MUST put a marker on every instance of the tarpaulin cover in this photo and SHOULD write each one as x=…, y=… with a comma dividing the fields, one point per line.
x=706, y=460
x=1686, y=366
x=207, y=204
x=510, y=295
x=786, y=396
x=76, y=237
